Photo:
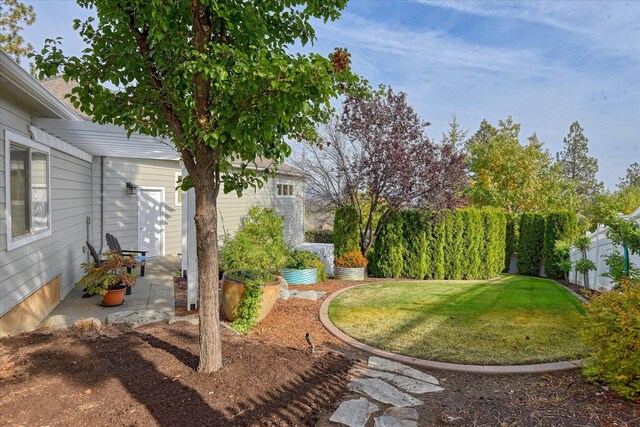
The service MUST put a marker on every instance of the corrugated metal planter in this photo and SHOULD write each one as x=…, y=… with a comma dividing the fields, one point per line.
x=308, y=276
x=345, y=273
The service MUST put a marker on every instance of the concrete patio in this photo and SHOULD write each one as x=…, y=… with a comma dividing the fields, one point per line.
x=154, y=291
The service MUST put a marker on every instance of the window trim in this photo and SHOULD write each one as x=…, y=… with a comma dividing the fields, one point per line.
x=175, y=183
x=25, y=239
x=282, y=185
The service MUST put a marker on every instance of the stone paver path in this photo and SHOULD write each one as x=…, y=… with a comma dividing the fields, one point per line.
x=354, y=412
x=389, y=384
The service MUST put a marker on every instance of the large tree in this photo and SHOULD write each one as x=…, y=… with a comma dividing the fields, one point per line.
x=14, y=15
x=220, y=80
x=575, y=163
x=378, y=158
x=632, y=177
x=509, y=175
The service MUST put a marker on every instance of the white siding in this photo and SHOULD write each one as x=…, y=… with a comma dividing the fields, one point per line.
x=121, y=208
x=24, y=270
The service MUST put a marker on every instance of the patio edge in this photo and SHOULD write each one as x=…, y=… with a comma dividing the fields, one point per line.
x=431, y=364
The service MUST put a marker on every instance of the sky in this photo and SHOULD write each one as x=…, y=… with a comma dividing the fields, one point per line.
x=546, y=64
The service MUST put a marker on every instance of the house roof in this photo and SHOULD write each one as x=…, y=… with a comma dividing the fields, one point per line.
x=59, y=88
x=21, y=87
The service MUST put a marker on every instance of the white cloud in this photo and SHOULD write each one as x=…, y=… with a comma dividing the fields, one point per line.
x=612, y=27
x=443, y=74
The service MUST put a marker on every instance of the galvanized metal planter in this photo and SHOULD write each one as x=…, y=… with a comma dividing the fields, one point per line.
x=308, y=276
x=345, y=273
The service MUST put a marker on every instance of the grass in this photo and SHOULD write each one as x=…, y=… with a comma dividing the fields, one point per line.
x=511, y=320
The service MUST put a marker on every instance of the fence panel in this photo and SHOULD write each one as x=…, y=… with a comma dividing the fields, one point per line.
x=600, y=246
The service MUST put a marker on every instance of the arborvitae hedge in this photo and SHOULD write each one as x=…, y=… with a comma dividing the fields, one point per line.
x=388, y=253
x=453, y=243
x=346, y=231
x=530, y=243
x=492, y=258
x=435, y=256
x=472, y=243
x=510, y=240
x=414, y=244
x=467, y=243
x=557, y=226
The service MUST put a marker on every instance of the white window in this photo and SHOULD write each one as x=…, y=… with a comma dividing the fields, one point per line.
x=284, y=190
x=28, y=197
x=178, y=190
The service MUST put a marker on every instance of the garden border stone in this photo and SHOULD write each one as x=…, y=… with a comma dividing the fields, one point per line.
x=538, y=368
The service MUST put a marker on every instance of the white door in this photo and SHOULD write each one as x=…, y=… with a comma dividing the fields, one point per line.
x=151, y=221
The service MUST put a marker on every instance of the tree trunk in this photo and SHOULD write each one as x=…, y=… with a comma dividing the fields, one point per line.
x=585, y=274
x=206, y=219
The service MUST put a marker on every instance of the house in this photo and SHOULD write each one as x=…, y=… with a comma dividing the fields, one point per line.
x=65, y=181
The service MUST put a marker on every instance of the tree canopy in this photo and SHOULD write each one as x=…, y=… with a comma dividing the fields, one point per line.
x=14, y=15
x=508, y=175
x=575, y=163
x=220, y=81
x=379, y=159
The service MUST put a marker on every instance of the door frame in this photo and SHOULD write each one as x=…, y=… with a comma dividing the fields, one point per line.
x=162, y=215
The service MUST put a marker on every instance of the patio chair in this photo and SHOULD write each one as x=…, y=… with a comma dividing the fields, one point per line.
x=94, y=254
x=114, y=245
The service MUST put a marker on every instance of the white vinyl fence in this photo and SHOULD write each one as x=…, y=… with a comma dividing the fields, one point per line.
x=600, y=246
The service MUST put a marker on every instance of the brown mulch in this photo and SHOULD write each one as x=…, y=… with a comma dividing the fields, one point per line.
x=147, y=376
x=586, y=293
x=180, y=297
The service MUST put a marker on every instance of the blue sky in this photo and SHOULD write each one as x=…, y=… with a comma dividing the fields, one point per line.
x=545, y=63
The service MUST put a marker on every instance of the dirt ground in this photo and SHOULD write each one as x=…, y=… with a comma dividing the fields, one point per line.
x=120, y=376
x=146, y=377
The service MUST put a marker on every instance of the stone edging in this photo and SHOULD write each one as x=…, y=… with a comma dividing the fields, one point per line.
x=430, y=364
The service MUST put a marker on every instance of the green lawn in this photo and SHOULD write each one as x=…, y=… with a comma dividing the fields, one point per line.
x=512, y=320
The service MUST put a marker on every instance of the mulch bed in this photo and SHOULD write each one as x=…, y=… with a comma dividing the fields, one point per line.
x=586, y=293
x=147, y=376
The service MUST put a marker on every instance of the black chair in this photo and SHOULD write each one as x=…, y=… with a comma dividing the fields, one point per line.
x=94, y=254
x=114, y=245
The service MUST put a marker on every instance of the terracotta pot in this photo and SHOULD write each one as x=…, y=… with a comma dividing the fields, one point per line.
x=232, y=291
x=114, y=296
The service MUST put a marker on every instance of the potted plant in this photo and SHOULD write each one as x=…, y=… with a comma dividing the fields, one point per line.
x=350, y=266
x=251, y=259
x=300, y=268
x=248, y=296
x=110, y=278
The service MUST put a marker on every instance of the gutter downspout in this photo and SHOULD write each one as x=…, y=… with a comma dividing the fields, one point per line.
x=101, y=203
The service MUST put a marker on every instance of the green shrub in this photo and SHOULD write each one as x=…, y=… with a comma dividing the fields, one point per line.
x=562, y=254
x=511, y=240
x=493, y=244
x=434, y=245
x=612, y=329
x=322, y=272
x=258, y=245
x=452, y=241
x=346, y=226
x=584, y=265
x=472, y=242
x=557, y=226
x=300, y=260
x=414, y=244
x=530, y=243
x=387, y=258
x=318, y=236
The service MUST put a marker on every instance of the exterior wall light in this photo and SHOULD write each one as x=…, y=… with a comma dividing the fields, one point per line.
x=131, y=188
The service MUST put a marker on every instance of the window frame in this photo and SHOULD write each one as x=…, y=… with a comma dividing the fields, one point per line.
x=176, y=203
x=31, y=145
x=280, y=189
